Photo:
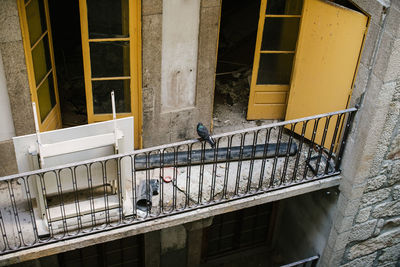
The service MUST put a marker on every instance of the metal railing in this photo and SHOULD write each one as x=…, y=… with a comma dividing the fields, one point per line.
x=309, y=262
x=97, y=195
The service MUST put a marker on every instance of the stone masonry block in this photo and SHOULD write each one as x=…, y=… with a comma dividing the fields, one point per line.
x=360, y=83
x=393, y=21
x=379, y=226
x=390, y=254
x=342, y=240
x=362, y=262
x=347, y=207
x=394, y=176
x=351, y=191
x=387, y=209
x=375, y=183
x=395, y=151
x=373, y=244
x=393, y=71
x=372, y=34
x=363, y=214
x=375, y=197
x=383, y=55
x=362, y=231
x=396, y=192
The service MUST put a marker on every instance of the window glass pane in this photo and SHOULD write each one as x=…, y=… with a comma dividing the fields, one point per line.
x=280, y=34
x=102, y=96
x=109, y=59
x=36, y=20
x=46, y=97
x=275, y=68
x=41, y=59
x=108, y=18
x=284, y=7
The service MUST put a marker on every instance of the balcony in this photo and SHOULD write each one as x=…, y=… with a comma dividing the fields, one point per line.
x=123, y=190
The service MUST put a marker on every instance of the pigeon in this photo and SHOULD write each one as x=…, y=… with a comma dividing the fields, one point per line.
x=202, y=131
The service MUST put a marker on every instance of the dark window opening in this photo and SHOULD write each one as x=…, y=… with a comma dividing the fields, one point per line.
x=348, y=4
x=66, y=32
x=237, y=40
x=237, y=231
x=123, y=252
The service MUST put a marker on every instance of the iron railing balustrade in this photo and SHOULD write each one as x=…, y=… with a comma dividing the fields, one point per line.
x=119, y=190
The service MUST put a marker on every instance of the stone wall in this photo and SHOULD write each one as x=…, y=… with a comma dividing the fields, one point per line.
x=374, y=238
x=161, y=127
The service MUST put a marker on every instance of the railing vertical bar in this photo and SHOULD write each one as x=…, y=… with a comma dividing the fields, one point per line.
x=15, y=213
x=91, y=197
x=160, y=183
x=105, y=195
x=239, y=169
x=133, y=185
x=278, y=143
x=253, y=152
x=30, y=207
x=227, y=164
x=201, y=174
x=346, y=133
x=314, y=133
x=174, y=181
x=3, y=233
x=299, y=150
x=188, y=175
x=321, y=146
x=77, y=204
x=333, y=142
x=148, y=189
x=61, y=200
x=119, y=191
x=48, y=216
x=214, y=170
x=287, y=154
x=263, y=163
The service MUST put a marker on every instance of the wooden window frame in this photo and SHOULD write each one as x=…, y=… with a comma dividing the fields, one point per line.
x=135, y=60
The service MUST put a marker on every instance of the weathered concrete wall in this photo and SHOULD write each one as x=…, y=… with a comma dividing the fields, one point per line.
x=303, y=225
x=165, y=126
x=8, y=162
x=366, y=228
x=11, y=49
x=7, y=127
x=179, y=54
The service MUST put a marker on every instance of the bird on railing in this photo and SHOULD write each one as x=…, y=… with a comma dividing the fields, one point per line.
x=202, y=131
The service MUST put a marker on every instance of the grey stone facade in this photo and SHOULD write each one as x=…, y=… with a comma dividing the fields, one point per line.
x=366, y=224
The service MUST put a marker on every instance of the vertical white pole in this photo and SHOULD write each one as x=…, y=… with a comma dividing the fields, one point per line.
x=41, y=203
x=114, y=119
x=38, y=134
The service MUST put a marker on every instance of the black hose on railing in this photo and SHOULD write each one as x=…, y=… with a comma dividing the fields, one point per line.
x=223, y=155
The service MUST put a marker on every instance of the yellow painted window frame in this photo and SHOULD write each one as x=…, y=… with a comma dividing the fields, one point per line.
x=135, y=61
x=254, y=87
x=53, y=118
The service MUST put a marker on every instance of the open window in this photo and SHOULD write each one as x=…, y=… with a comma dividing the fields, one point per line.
x=38, y=46
x=306, y=58
x=95, y=51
